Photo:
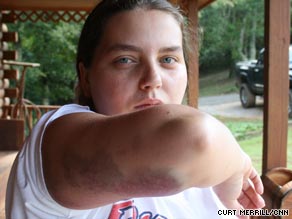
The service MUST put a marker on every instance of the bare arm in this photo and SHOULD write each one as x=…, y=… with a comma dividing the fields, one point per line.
x=92, y=160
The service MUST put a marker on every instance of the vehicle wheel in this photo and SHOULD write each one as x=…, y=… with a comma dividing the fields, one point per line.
x=247, y=98
x=290, y=104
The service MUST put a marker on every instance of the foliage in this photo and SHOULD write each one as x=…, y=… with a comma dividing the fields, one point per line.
x=53, y=45
x=231, y=30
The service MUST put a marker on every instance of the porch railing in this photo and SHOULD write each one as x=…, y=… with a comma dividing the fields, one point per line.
x=32, y=113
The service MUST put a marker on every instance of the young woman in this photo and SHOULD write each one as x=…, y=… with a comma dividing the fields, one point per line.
x=130, y=149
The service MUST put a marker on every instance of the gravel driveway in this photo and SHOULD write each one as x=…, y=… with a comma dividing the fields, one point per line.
x=229, y=105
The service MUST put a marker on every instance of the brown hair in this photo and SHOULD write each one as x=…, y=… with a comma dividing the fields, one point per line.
x=95, y=24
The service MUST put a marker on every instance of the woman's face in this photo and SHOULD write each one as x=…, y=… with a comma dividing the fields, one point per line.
x=139, y=63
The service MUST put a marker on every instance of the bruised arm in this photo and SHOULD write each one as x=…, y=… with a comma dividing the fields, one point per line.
x=91, y=160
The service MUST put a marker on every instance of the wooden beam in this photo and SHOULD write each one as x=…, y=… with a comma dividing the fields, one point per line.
x=277, y=40
x=10, y=74
x=65, y=5
x=9, y=54
x=61, y=5
x=204, y=3
x=23, y=64
x=6, y=17
x=11, y=92
x=12, y=134
x=193, y=67
x=9, y=36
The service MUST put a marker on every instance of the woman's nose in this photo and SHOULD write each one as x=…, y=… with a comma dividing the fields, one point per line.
x=151, y=78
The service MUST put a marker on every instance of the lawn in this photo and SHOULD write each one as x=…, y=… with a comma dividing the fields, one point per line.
x=253, y=147
x=248, y=132
x=217, y=83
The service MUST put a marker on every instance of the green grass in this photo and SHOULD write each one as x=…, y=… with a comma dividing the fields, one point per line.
x=253, y=147
x=249, y=134
x=243, y=129
x=218, y=83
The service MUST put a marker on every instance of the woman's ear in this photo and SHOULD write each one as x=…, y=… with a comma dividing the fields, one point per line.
x=83, y=80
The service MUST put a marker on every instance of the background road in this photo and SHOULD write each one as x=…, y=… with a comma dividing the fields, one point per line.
x=229, y=105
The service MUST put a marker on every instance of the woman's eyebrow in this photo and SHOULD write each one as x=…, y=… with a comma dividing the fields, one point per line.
x=128, y=47
x=124, y=47
x=171, y=49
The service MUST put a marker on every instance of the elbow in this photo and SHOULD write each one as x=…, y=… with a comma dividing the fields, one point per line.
x=198, y=160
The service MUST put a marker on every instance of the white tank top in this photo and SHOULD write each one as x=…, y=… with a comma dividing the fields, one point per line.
x=28, y=198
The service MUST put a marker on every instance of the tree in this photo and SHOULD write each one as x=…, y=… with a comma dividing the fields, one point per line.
x=53, y=45
x=233, y=30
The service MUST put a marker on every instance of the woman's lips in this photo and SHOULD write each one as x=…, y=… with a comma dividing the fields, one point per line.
x=148, y=103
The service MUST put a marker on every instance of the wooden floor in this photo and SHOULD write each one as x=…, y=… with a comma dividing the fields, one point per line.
x=6, y=160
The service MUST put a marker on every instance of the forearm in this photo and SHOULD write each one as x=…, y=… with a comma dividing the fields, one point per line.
x=194, y=148
x=158, y=151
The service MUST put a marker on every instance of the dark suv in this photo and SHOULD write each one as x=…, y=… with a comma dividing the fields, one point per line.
x=250, y=80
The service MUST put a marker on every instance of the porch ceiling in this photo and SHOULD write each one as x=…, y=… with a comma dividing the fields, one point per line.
x=68, y=5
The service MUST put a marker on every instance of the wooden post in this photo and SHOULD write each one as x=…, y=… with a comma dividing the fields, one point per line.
x=276, y=87
x=276, y=178
x=193, y=68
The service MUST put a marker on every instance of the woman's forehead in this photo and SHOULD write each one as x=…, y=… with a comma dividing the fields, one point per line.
x=143, y=27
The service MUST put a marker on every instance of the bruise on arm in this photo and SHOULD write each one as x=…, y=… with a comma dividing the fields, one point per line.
x=102, y=172
x=97, y=172
x=92, y=160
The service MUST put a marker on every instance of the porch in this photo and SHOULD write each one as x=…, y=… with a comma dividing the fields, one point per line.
x=276, y=178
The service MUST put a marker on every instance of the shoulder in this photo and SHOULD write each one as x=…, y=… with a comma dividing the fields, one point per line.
x=69, y=109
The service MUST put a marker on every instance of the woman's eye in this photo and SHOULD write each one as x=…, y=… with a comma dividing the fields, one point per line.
x=124, y=60
x=168, y=60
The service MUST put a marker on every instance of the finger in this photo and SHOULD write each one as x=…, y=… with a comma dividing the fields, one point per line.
x=246, y=202
x=256, y=181
x=250, y=197
x=249, y=204
x=243, y=200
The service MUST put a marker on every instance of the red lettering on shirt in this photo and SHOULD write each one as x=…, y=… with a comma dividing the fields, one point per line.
x=127, y=210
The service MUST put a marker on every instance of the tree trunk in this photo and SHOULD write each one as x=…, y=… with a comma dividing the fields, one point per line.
x=241, y=40
x=46, y=100
x=252, y=42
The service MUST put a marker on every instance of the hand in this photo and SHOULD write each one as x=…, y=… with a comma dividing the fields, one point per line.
x=242, y=190
x=252, y=188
